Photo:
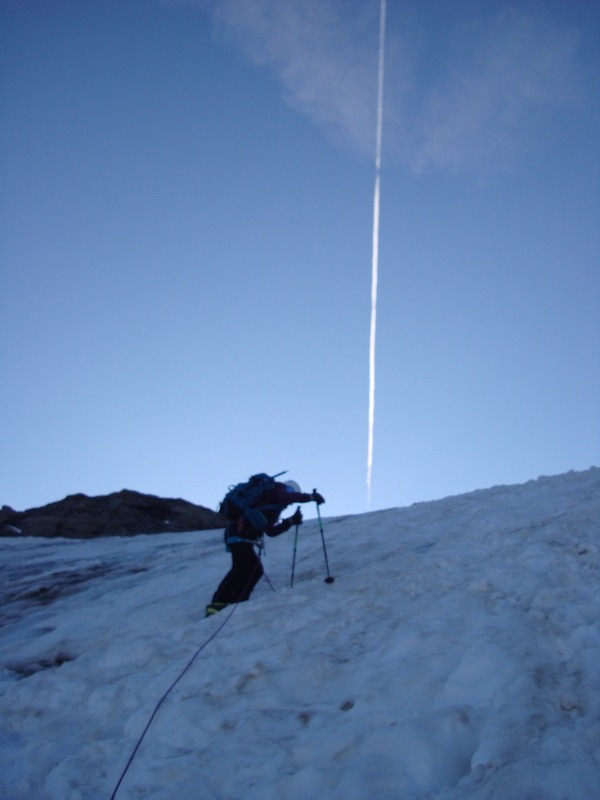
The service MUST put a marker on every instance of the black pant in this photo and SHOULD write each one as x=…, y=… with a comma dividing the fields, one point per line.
x=246, y=571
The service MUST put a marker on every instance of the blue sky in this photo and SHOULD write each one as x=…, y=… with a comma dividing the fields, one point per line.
x=187, y=211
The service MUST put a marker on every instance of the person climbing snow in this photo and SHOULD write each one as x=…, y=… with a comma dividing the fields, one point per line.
x=253, y=510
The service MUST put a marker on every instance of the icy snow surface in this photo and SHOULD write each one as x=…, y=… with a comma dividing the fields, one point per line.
x=455, y=657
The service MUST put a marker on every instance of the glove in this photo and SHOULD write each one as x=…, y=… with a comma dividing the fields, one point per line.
x=318, y=498
x=296, y=519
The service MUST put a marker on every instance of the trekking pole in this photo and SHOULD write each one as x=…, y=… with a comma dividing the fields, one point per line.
x=329, y=578
x=294, y=557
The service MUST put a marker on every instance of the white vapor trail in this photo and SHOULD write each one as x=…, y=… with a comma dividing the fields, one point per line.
x=375, y=258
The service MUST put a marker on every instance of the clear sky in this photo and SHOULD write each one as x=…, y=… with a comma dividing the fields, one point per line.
x=187, y=213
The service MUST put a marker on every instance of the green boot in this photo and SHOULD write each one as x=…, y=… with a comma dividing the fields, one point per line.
x=214, y=608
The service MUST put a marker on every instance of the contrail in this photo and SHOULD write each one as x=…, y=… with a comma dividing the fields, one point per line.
x=375, y=258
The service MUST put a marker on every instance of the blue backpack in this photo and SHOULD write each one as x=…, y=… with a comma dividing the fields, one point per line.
x=243, y=501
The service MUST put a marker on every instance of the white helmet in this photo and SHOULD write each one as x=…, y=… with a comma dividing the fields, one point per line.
x=292, y=486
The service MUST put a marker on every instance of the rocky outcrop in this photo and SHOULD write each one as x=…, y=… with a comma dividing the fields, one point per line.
x=124, y=513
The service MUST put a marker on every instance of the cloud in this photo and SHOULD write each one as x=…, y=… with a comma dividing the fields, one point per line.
x=459, y=93
x=500, y=76
x=323, y=52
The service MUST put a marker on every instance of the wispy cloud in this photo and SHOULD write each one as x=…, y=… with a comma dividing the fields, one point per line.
x=459, y=99
x=500, y=73
x=324, y=53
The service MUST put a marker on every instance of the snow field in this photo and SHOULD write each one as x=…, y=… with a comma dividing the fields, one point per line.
x=455, y=657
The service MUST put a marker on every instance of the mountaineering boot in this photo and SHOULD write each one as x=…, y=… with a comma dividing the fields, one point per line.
x=214, y=608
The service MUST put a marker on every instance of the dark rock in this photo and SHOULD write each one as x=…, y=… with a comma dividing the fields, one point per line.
x=124, y=513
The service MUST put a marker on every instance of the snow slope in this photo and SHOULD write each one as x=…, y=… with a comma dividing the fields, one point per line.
x=456, y=657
